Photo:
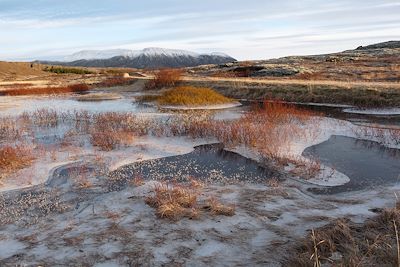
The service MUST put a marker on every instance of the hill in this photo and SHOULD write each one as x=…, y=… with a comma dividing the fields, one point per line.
x=149, y=58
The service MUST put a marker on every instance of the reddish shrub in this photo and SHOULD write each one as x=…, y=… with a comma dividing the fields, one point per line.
x=165, y=78
x=46, y=90
x=114, y=81
x=13, y=158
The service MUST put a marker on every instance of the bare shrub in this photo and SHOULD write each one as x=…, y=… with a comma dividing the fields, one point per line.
x=13, y=158
x=109, y=140
x=115, y=81
x=43, y=117
x=9, y=130
x=165, y=78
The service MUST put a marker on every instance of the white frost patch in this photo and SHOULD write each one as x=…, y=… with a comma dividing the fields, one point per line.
x=328, y=176
x=143, y=148
x=374, y=111
x=9, y=248
x=36, y=174
x=153, y=148
x=245, y=152
x=204, y=107
x=107, y=264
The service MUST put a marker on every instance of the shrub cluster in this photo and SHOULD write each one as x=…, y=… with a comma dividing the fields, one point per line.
x=63, y=70
x=165, y=78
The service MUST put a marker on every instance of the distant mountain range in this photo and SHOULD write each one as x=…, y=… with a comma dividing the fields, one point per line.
x=147, y=58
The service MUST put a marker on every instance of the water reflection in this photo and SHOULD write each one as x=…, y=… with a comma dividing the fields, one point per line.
x=367, y=163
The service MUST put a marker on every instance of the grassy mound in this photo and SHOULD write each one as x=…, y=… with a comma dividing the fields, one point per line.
x=192, y=96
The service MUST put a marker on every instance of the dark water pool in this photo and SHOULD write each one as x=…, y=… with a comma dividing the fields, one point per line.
x=366, y=163
x=208, y=163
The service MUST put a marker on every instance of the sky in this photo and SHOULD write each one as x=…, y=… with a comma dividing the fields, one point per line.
x=244, y=29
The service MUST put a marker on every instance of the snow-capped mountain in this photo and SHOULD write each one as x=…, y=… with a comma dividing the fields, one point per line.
x=151, y=51
x=147, y=58
x=97, y=54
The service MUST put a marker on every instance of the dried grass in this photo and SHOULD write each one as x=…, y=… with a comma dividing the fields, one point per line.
x=46, y=90
x=13, y=158
x=217, y=208
x=373, y=243
x=192, y=96
x=177, y=201
x=173, y=202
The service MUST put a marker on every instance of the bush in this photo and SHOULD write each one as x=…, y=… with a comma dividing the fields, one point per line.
x=192, y=96
x=165, y=78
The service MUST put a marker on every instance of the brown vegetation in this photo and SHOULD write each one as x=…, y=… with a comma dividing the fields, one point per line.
x=331, y=92
x=107, y=141
x=110, y=130
x=173, y=202
x=76, y=88
x=13, y=158
x=115, y=81
x=165, y=78
x=191, y=96
x=344, y=243
x=179, y=201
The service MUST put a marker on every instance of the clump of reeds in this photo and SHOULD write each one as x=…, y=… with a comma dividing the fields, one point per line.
x=177, y=201
x=9, y=129
x=372, y=243
x=109, y=140
x=217, y=208
x=173, y=202
x=43, y=117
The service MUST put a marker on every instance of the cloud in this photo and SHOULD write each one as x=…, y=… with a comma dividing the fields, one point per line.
x=246, y=29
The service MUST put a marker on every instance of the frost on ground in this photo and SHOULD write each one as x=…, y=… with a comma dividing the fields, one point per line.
x=119, y=229
x=144, y=148
x=205, y=107
x=372, y=111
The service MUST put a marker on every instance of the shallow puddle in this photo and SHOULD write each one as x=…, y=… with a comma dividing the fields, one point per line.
x=368, y=164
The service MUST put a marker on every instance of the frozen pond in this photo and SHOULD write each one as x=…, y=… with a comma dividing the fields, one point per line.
x=209, y=163
x=367, y=163
x=18, y=105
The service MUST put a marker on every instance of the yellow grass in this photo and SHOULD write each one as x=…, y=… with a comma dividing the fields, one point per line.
x=192, y=96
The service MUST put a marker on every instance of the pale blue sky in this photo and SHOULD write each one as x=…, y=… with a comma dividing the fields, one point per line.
x=250, y=29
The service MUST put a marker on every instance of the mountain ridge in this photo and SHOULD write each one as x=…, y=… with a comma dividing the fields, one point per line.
x=151, y=57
